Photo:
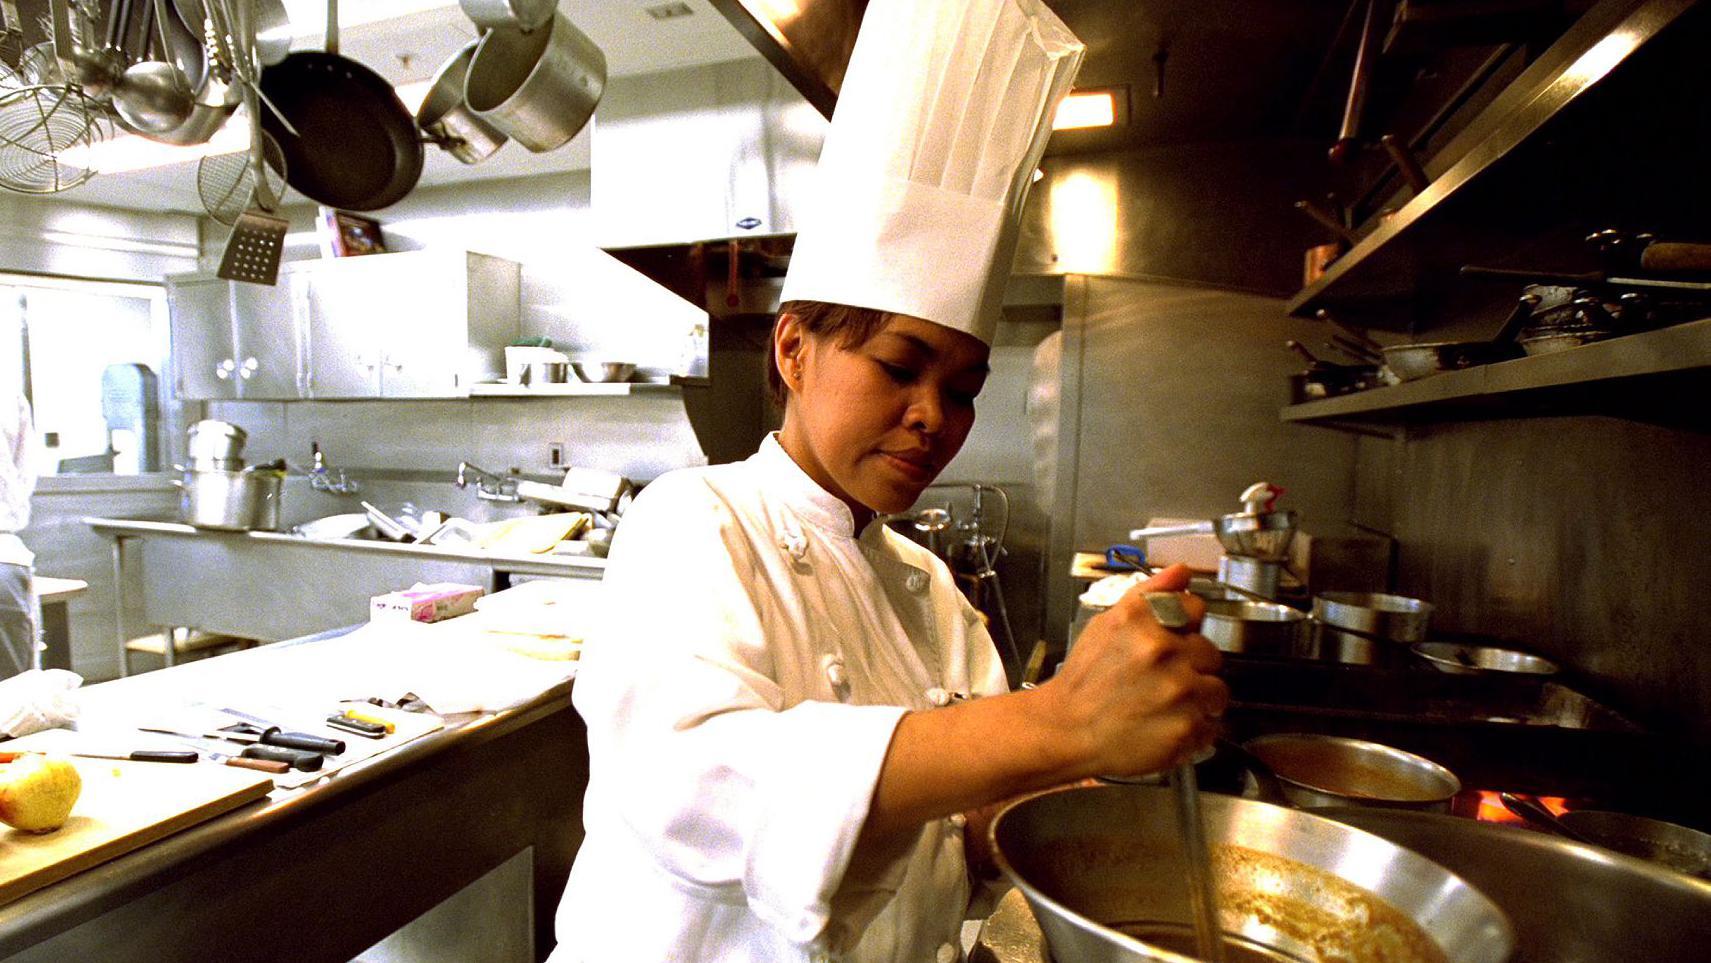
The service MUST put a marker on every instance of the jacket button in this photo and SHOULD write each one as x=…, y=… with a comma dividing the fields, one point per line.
x=916, y=582
x=836, y=674
x=947, y=954
x=938, y=696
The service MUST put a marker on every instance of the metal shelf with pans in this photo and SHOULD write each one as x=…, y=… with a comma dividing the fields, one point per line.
x=1508, y=176
x=1660, y=374
x=571, y=389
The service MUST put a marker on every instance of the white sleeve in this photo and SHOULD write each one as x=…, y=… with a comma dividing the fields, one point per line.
x=738, y=798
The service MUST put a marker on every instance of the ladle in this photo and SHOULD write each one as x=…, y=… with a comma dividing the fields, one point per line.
x=93, y=69
x=154, y=96
x=1203, y=898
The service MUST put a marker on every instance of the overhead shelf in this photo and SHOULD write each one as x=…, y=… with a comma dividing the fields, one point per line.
x=1481, y=207
x=1672, y=363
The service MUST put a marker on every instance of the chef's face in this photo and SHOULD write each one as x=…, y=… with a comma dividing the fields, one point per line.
x=875, y=423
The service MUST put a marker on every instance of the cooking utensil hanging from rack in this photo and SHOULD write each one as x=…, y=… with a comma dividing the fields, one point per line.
x=354, y=146
x=257, y=242
x=48, y=130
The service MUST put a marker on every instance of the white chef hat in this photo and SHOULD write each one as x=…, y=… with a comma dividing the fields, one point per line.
x=942, y=119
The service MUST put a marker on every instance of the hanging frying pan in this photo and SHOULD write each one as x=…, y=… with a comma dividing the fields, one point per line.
x=357, y=147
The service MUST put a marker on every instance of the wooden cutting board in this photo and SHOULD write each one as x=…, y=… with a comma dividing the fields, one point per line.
x=124, y=806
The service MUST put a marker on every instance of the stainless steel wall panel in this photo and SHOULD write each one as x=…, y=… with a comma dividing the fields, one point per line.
x=1581, y=538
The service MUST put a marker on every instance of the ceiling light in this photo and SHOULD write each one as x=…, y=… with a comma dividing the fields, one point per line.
x=1106, y=107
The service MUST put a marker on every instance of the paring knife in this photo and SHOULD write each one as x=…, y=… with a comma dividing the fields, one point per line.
x=145, y=755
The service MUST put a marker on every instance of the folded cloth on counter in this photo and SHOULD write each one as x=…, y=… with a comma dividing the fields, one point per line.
x=532, y=535
x=38, y=699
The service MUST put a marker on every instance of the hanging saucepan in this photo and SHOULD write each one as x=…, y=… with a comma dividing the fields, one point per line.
x=1102, y=869
x=357, y=147
x=447, y=121
x=539, y=87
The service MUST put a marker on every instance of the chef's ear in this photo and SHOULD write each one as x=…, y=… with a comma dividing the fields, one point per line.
x=789, y=347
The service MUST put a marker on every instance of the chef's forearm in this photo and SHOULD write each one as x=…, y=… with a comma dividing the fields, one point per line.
x=960, y=758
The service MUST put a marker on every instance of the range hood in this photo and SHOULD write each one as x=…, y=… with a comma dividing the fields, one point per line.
x=703, y=153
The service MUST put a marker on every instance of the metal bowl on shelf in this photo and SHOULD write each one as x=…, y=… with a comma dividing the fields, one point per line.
x=1411, y=362
x=603, y=372
x=1458, y=659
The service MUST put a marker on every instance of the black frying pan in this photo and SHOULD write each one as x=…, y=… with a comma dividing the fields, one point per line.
x=357, y=147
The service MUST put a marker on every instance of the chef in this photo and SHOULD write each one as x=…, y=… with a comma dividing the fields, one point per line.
x=792, y=712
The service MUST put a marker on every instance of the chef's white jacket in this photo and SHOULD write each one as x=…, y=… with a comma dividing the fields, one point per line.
x=756, y=656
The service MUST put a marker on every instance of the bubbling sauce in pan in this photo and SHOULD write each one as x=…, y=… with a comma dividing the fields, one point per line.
x=1288, y=910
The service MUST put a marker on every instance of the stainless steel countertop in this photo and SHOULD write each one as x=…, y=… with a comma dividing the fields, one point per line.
x=86, y=895
x=559, y=565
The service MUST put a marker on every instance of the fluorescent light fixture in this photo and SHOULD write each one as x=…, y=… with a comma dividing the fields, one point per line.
x=1083, y=109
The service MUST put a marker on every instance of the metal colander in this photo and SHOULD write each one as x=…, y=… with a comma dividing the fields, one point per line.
x=1261, y=535
x=47, y=138
x=226, y=181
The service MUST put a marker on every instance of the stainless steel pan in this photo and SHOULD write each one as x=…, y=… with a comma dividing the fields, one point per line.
x=1102, y=868
x=1567, y=901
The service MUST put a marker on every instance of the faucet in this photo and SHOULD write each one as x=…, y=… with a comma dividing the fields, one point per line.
x=488, y=486
x=332, y=480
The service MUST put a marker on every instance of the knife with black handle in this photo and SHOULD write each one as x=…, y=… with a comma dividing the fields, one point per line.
x=145, y=755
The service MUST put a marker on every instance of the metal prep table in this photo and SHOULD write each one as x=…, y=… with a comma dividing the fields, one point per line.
x=324, y=872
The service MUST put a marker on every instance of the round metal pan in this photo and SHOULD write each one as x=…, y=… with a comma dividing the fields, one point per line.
x=1678, y=847
x=1102, y=868
x=1567, y=901
x=357, y=147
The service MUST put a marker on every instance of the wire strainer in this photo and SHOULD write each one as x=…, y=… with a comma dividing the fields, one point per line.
x=47, y=138
x=226, y=181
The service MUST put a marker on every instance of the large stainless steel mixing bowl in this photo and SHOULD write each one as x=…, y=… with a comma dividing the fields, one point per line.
x=1103, y=870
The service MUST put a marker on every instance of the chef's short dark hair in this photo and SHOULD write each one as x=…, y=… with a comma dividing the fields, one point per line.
x=851, y=326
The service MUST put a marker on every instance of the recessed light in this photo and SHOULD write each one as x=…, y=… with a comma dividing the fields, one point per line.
x=669, y=11
x=1103, y=107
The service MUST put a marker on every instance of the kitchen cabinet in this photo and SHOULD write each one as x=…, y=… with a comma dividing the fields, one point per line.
x=421, y=324
x=417, y=324
x=234, y=341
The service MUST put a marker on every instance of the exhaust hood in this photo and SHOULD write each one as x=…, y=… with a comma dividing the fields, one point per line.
x=703, y=153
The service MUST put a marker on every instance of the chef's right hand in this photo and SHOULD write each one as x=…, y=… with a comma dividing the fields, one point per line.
x=1135, y=696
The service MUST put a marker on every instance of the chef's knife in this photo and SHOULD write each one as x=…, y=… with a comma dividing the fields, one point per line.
x=255, y=750
x=145, y=755
x=274, y=734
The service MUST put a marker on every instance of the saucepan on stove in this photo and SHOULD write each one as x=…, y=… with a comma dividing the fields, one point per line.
x=1319, y=770
x=1667, y=844
x=1566, y=901
x=1102, y=868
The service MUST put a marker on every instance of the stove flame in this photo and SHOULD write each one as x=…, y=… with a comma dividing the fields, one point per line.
x=1492, y=810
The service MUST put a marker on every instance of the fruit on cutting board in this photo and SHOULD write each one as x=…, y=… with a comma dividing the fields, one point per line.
x=37, y=792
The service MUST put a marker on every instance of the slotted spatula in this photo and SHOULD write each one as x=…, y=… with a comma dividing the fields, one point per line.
x=257, y=244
